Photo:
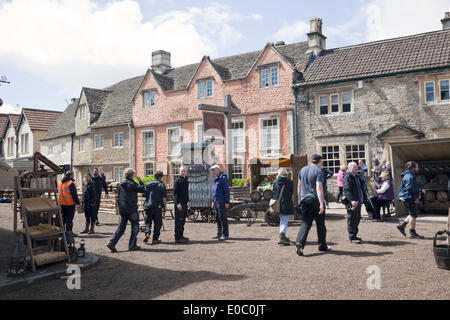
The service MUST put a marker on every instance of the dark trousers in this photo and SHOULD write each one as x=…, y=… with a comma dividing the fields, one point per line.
x=378, y=205
x=123, y=221
x=221, y=219
x=310, y=209
x=99, y=197
x=153, y=215
x=68, y=213
x=341, y=193
x=353, y=219
x=90, y=213
x=180, y=221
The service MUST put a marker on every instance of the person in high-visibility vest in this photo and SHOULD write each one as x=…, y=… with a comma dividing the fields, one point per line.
x=68, y=199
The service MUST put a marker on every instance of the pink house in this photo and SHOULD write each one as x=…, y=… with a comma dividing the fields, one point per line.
x=165, y=107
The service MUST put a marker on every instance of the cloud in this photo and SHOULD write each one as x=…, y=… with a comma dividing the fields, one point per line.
x=76, y=43
x=292, y=32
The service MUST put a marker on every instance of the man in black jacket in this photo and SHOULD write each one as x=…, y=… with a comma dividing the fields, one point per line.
x=89, y=204
x=155, y=203
x=68, y=199
x=182, y=205
x=128, y=209
x=100, y=184
x=354, y=193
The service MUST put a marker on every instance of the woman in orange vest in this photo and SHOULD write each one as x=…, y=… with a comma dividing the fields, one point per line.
x=68, y=199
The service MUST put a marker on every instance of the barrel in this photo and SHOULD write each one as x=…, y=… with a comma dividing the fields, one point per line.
x=441, y=179
x=255, y=196
x=430, y=196
x=442, y=196
x=421, y=180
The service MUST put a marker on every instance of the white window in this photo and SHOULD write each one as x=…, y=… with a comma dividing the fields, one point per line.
x=149, y=99
x=81, y=145
x=331, y=158
x=323, y=100
x=346, y=102
x=205, y=89
x=238, y=136
x=148, y=140
x=199, y=132
x=98, y=141
x=118, y=140
x=174, y=141
x=175, y=169
x=63, y=147
x=354, y=153
x=270, y=135
x=444, y=86
x=118, y=173
x=24, y=143
x=268, y=77
x=340, y=103
x=83, y=113
x=148, y=169
x=429, y=92
x=11, y=146
x=238, y=168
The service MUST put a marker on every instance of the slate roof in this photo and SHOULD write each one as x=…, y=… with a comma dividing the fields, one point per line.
x=380, y=58
x=3, y=121
x=14, y=118
x=40, y=119
x=65, y=125
x=96, y=99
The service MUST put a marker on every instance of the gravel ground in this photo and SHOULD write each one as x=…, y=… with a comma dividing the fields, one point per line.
x=250, y=265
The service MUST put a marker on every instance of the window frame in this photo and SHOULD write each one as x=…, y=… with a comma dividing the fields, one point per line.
x=425, y=91
x=114, y=140
x=202, y=89
x=440, y=90
x=11, y=145
x=151, y=98
x=95, y=142
x=169, y=149
x=323, y=105
x=83, y=112
x=173, y=175
x=243, y=136
x=153, y=168
x=119, y=173
x=270, y=75
x=272, y=151
x=336, y=162
x=242, y=165
x=81, y=144
x=152, y=154
x=347, y=161
x=24, y=143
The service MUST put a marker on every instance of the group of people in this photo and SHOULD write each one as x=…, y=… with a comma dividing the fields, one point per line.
x=68, y=199
x=155, y=194
x=353, y=192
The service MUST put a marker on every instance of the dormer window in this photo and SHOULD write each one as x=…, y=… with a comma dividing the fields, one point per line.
x=205, y=89
x=268, y=76
x=83, y=113
x=149, y=99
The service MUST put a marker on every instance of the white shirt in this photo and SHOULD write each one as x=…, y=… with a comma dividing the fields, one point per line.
x=384, y=188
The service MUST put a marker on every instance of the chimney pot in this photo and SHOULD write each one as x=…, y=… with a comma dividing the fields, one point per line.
x=446, y=21
x=161, y=61
x=316, y=40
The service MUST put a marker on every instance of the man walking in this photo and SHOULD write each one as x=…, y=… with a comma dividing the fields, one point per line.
x=182, y=205
x=354, y=192
x=100, y=183
x=68, y=199
x=312, y=201
x=409, y=194
x=127, y=202
x=155, y=204
x=221, y=202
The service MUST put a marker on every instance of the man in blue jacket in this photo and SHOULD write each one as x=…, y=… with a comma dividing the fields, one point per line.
x=409, y=194
x=221, y=202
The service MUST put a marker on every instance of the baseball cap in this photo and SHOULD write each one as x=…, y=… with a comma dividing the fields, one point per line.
x=214, y=167
x=316, y=157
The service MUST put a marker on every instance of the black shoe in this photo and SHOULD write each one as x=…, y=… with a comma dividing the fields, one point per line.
x=157, y=241
x=299, y=249
x=136, y=248
x=223, y=238
x=111, y=247
x=356, y=241
x=414, y=235
x=216, y=236
x=97, y=223
x=187, y=239
x=401, y=227
x=182, y=241
x=325, y=249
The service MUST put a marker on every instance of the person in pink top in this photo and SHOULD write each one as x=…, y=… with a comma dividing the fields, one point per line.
x=340, y=182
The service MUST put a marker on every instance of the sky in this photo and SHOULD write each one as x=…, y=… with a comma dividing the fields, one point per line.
x=50, y=49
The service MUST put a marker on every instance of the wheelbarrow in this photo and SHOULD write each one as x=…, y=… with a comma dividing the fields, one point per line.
x=442, y=252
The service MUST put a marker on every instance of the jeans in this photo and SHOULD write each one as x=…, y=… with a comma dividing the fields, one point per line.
x=341, y=194
x=353, y=219
x=221, y=219
x=123, y=220
x=180, y=221
x=90, y=213
x=284, y=222
x=310, y=209
x=153, y=214
x=68, y=213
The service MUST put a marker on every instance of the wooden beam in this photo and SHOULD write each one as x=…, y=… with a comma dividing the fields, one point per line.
x=212, y=108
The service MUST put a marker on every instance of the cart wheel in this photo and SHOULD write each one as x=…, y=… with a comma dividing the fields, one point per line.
x=207, y=215
x=272, y=219
x=192, y=214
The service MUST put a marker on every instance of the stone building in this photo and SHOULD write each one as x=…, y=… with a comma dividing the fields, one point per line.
x=165, y=107
x=8, y=134
x=386, y=99
x=104, y=134
x=57, y=144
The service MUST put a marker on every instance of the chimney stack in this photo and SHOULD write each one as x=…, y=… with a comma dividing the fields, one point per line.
x=316, y=40
x=161, y=61
x=446, y=21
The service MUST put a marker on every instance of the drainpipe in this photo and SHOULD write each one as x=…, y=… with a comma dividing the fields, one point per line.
x=131, y=143
x=295, y=92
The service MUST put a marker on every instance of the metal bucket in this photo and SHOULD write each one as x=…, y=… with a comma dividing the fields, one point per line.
x=441, y=252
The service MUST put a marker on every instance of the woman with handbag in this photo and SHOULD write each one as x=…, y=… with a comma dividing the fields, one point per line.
x=282, y=204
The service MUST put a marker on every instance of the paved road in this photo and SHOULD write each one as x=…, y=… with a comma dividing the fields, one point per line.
x=252, y=266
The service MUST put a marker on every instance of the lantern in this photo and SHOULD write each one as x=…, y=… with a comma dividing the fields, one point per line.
x=17, y=263
x=82, y=249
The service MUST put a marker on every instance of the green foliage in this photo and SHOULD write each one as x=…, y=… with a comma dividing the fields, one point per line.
x=238, y=182
x=148, y=179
